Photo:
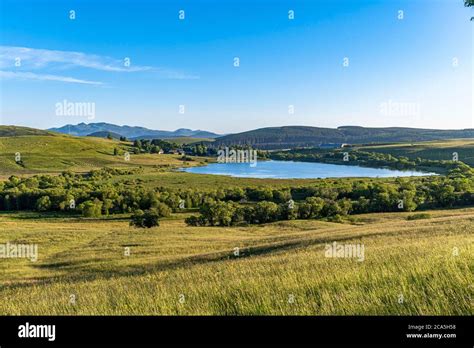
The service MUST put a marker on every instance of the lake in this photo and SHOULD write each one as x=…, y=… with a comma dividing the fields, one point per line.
x=298, y=170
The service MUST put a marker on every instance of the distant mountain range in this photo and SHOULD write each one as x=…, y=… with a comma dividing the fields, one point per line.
x=302, y=136
x=130, y=132
x=275, y=137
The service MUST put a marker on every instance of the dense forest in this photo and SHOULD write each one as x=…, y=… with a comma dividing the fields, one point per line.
x=163, y=146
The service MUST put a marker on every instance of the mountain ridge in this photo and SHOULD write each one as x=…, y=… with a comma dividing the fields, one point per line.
x=275, y=137
x=130, y=132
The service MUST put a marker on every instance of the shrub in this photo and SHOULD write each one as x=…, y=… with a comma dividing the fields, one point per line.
x=161, y=209
x=91, y=208
x=287, y=211
x=195, y=221
x=266, y=212
x=145, y=219
x=335, y=218
x=419, y=216
x=330, y=208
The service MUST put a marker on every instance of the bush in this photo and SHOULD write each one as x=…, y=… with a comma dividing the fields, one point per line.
x=287, y=211
x=195, y=221
x=281, y=196
x=266, y=212
x=91, y=208
x=419, y=216
x=316, y=205
x=145, y=219
x=218, y=213
x=335, y=218
x=330, y=208
x=161, y=209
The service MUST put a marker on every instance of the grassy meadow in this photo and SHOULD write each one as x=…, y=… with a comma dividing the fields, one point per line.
x=410, y=267
x=49, y=154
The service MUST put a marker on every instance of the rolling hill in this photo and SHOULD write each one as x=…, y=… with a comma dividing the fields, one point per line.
x=130, y=132
x=16, y=131
x=303, y=136
x=49, y=152
x=432, y=150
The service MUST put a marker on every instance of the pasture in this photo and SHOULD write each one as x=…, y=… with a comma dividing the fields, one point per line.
x=104, y=266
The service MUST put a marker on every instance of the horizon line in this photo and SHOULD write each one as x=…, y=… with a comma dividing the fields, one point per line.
x=249, y=130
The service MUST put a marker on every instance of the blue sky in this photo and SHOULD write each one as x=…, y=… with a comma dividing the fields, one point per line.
x=414, y=71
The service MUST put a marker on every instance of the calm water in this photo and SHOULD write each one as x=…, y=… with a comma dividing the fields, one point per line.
x=297, y=170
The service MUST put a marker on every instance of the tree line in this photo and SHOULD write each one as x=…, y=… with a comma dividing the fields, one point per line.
x=156, y=145
x=101, y=192
x=363, y=158
x=338, y=200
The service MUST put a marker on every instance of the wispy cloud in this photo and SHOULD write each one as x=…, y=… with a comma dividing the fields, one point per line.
x=44, y=77
x=34, y=59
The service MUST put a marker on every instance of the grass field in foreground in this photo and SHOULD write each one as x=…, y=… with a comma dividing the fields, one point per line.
x=175, y=269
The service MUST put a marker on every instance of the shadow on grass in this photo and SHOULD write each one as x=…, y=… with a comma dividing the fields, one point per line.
x=87, y=270
x=80, y=271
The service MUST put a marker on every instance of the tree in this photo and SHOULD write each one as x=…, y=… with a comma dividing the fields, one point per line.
x=361, y=206
x=240, y=214
x=137, y=218
x=288, y=211
x=408, y=199
x=260, y=194
x=235, y=194
x=106, y=206
x=161, y=209
x=444, y=195
x=281, y=196
x=145, y=219
x=195, y=220
x=188, y=202
x=304, y=210
x=91, y=208
x=224, y=213
x=43, y=203
x=266, y=212
x=316, y=205
x=218, y=213
x=330, y=208
x=138, y=144
x=115, y=151
x=345, y=206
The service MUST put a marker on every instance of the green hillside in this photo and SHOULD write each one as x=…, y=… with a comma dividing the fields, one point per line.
x=434, y=150
x=54, y=153
x=302, y=136
x=49, y=152
x=15, y=131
